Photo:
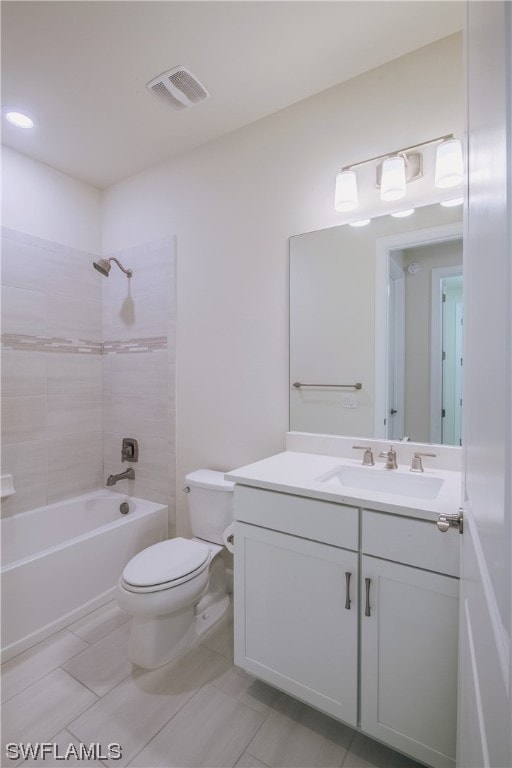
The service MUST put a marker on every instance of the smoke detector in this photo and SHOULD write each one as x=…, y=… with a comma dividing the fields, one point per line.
x=178, y=88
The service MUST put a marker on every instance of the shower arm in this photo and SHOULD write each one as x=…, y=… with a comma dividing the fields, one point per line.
x=127, y=272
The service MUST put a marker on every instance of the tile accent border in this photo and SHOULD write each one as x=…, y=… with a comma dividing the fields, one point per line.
x=150, y=344
x=27, y=343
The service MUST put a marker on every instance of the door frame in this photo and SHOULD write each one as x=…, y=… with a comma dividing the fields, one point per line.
x=436, y=348
x=396, y=342
x=383, y=248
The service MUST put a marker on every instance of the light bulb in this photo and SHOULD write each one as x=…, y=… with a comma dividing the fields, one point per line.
x=360, y=223
x=19, y=119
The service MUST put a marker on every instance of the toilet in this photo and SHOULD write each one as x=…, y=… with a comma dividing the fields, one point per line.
x=176, y=589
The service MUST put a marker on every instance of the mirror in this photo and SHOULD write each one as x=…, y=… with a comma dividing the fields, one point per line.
x=367, y=308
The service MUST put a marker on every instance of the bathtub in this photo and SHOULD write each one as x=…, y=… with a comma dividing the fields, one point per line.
x=62, y=561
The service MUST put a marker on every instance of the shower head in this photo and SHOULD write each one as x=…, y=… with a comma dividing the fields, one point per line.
x=103, y=266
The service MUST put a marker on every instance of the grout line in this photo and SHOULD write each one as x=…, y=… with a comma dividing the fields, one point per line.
x=48, y=672
x=348, y=748
x=166, y=723
x=256, y=758
x=80, y=638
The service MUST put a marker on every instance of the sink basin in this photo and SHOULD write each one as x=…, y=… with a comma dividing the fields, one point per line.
x=381, y=480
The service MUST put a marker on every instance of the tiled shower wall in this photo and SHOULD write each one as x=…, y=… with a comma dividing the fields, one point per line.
x=139, y=370
x=86, y=360
x=52, y=418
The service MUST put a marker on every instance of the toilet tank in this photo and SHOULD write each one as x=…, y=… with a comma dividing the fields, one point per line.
x=210, y=503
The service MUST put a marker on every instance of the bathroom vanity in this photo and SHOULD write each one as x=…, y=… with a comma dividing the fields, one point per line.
x=346, y=596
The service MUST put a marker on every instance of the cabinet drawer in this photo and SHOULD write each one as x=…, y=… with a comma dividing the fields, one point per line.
x=414, y=542
x=323, y=521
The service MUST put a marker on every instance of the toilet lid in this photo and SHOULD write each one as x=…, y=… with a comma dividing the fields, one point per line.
x=166, y=561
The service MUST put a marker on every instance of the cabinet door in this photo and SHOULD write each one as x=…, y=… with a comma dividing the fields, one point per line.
x=294, y=626
x=409, y=659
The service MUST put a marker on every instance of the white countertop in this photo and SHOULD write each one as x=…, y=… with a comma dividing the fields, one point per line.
x=299, y=473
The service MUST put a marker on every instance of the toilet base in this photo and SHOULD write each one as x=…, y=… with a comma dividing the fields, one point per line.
x=157, y=640
x=207, y=617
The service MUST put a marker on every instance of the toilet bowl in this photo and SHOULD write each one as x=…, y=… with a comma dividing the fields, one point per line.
x=176, y=589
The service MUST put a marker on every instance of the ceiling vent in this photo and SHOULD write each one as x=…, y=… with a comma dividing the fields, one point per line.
x=178, y=88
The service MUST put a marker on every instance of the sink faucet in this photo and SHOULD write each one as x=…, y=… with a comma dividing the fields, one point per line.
x=368, y=454
x=416, y=465
x=390, y=457
x=128, y=474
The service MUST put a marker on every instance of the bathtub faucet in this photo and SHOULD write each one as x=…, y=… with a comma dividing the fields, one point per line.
x=128, y=474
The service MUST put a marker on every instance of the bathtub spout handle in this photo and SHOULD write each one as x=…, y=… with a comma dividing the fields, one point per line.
x=129, y=474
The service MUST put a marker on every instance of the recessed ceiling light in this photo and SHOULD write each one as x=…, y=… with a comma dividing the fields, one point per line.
x=360, y=223
x=452, y=203
x=403, y=214
x=18, y=118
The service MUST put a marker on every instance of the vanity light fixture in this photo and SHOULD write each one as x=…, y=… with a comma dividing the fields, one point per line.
x=403, y=214
x=395, y=170
x=360, y=223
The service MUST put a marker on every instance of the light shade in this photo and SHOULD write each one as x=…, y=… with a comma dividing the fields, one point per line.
x=449, y=165
x=392, y=185
x=345, y=195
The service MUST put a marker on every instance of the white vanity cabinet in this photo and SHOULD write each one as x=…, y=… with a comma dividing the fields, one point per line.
x=296, y=607
x=409, y=629
x=353, y=611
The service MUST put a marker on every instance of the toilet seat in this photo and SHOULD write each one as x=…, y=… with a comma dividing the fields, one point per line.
x=165, y=565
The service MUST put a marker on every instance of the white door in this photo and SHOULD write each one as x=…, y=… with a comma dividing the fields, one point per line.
x=485, y=713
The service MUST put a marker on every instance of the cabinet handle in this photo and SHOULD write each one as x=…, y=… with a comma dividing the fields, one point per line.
x=367, y=583
x=347, y=590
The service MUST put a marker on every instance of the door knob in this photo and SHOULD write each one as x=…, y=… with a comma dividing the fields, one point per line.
x=444, y=522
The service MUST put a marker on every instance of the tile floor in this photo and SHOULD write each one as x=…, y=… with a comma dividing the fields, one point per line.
x=79, y=686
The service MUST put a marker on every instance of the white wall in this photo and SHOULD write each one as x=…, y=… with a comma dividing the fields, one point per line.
x=233, y=204
x=40, y=201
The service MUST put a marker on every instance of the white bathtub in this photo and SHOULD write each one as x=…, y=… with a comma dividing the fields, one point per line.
x=61, y=561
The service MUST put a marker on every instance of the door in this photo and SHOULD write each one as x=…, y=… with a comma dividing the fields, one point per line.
x=451, y=362
x=409, y=659
x=395, y=424
x=296, y=617
x=446, y=354
x=485, y=714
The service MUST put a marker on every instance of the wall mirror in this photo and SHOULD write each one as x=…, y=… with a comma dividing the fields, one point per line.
x=376, y=328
